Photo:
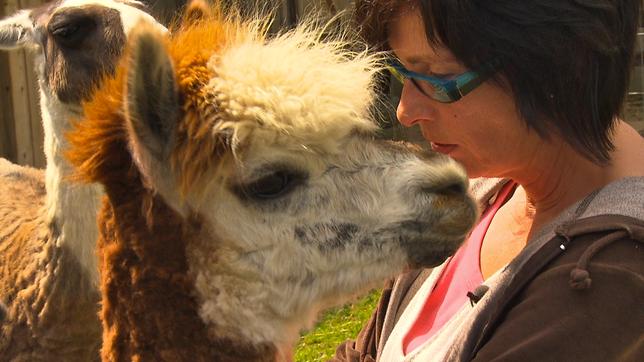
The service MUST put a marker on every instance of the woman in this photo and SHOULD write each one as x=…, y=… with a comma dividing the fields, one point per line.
x=527, y=96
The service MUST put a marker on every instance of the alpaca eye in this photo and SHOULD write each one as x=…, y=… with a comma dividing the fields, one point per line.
x=271, y=186
x=275, y=181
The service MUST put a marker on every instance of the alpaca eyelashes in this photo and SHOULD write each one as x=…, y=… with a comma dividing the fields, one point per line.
x=272, y=186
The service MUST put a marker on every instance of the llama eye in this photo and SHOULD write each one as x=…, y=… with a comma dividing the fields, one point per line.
x=65, y=31
x=71, y=33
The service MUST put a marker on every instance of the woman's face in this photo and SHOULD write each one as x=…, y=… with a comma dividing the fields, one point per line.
x=482, y=131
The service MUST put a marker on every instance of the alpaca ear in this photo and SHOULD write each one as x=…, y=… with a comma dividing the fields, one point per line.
x=152, y=96
x=16, y=30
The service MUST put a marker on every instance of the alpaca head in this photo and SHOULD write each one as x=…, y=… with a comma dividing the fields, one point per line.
x=77, y=42
x=267, y=147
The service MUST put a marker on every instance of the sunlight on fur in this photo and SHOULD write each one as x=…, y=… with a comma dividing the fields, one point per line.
x=247, y=191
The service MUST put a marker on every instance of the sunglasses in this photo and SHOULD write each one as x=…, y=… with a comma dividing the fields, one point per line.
x=440, y=89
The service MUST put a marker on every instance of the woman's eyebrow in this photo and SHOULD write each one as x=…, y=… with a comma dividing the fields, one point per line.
x=428, y=58
x=417, y=59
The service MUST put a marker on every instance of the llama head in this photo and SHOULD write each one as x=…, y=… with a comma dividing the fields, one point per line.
x=77, y=42
x=266, y=146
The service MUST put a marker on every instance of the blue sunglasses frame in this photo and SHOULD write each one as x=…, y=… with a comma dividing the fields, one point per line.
x=445, y=90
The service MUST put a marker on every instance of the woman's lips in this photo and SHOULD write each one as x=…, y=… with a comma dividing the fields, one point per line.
x=443, y=147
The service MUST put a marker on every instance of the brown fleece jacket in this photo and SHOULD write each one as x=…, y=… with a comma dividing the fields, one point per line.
x=577, y=296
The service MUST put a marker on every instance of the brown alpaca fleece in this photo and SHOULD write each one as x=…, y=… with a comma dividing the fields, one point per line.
x=149, y=312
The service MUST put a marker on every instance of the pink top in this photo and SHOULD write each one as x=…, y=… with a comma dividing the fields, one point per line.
x=461, y=275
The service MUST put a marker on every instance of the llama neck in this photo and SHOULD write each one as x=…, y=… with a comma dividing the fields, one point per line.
x=63, y=304
x=71, y=207
x=49, y=299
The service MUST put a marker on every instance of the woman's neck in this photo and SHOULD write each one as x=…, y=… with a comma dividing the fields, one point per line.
x=555, y=180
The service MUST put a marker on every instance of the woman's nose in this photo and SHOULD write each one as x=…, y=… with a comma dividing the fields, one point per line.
x=414, y=106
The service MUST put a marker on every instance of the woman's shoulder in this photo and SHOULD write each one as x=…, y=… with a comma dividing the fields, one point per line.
x=580, y=306
x=606, y=227
x=566, y=295
x=622, y=197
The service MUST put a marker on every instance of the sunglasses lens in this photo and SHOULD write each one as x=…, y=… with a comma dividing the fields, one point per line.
x=396, y=74
x=442, y=97
x=441, y=90
x=432, y=91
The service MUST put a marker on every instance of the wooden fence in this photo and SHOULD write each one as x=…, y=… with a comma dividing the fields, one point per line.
x=21, y=134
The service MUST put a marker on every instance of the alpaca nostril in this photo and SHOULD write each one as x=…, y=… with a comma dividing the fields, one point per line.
x=455, y=188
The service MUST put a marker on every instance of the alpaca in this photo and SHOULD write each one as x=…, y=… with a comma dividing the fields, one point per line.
x=48, y=263
x=246, y=190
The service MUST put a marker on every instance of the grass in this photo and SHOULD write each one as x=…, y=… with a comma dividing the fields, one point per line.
x=335, y=326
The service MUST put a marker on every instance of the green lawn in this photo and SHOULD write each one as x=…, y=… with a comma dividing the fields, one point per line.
x=335, y=327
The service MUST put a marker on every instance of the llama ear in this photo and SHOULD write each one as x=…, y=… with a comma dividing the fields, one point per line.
x=152, y=96
x=196, y=10
x=16, y=30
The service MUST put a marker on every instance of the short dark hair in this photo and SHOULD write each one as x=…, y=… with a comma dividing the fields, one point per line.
x=566, y=61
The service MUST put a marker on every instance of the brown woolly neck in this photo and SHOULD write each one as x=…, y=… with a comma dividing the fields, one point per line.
x=148, y=309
